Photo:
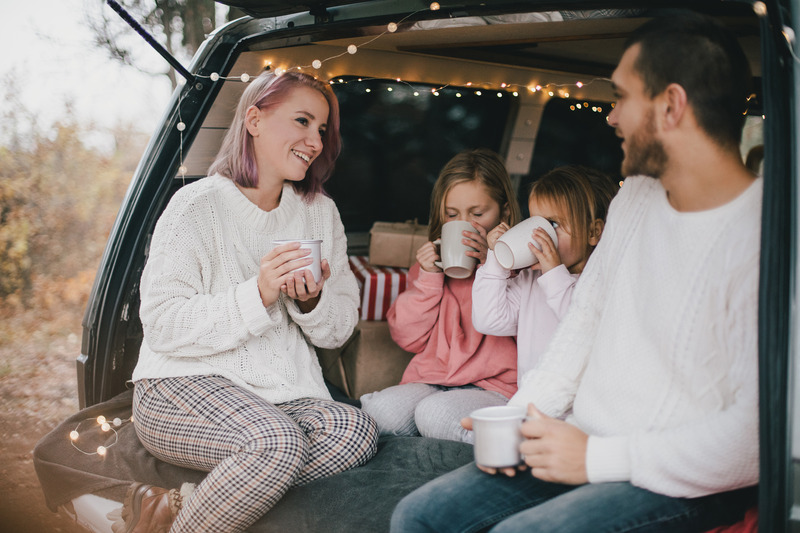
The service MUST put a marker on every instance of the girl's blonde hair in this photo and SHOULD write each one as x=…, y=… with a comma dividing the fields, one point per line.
x=485, y=167
x=583, y=193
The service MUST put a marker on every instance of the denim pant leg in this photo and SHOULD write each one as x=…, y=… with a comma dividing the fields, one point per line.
x=621, y=507
x=468, y=500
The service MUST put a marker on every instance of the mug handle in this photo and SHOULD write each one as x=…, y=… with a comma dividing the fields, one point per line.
x=438, y=242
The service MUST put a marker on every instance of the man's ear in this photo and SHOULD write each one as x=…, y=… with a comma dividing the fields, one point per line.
x=674, y=103
x=595, y=230
x=251, y=118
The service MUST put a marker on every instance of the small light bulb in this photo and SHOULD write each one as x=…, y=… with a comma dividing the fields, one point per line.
x=416, y=93
x=352, y=49
x=368, y=90
x=214, y=76
x=245, y=77
x=73, y=435
x=316, y=64
x=458, y=95
x=435, y=6
x=181, y=126
x=478, y=93
x=101, y=450
x=391, y=27
x=117, y=422
x=579, y=85
x=566, y=95
x=550, y=93
x=499, y=95
x=515, y=93
x=182, y=170
x=101, y=420
x=760, y=8
x=106, y=426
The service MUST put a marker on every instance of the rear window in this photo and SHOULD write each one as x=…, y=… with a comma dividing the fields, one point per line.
x=396, y=137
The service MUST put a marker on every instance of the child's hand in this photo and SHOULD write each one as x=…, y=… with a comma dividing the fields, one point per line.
x=426, y=255
x=548, y=256
x=496, y=233
x=476, y=241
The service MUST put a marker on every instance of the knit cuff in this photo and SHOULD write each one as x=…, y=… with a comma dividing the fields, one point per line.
x=493, y=267
x=608, y=459
x=256, y=317
x=555, y=280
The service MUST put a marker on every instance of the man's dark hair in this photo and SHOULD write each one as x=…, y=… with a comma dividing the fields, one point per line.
x=701, y=55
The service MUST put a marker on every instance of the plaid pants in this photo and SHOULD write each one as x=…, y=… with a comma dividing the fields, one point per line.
x=254, y=450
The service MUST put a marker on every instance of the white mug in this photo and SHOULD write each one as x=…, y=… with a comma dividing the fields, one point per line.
x=497, y=435
x=454, y=259
x=511, y=249
x=314, y=246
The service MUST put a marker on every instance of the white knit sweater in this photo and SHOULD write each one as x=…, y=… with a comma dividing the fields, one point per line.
x=657, y=354
x=200, y=306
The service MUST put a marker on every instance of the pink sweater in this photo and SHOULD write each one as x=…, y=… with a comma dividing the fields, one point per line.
x=433, y=318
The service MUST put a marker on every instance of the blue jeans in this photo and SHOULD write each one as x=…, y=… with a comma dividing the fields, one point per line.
x=468, y=500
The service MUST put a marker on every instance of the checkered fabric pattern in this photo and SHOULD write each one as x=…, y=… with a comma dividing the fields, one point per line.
x=254, y=450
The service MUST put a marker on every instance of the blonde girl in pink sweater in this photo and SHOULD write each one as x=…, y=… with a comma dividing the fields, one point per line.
x=456, y=369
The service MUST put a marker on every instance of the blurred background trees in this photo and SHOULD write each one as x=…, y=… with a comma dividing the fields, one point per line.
x=179, y=25
x=59, y=197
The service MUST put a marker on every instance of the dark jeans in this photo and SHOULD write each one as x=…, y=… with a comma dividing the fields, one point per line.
x=468, y=500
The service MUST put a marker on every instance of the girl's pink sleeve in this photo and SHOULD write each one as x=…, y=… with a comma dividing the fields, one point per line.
x=413, y=315
x=558, y=285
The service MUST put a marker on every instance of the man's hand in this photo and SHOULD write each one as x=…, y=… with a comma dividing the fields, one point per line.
x=553, y=449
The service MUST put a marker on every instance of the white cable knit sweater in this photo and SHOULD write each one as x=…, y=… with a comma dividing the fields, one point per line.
x=200, y=306
x=657, y=354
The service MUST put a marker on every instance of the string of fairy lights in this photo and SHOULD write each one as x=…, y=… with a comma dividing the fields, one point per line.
x=560, y=90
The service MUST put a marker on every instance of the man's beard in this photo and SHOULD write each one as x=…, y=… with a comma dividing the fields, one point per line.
x=645, y=155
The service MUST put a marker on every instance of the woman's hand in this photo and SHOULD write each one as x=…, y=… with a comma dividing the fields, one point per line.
x=496, y=233
x=476, y=241
x=426, y=255
x=276, y=269
x=548, y=256
x=301, y=287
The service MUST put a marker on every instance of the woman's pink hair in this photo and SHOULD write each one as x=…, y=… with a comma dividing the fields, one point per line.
x=236, y=158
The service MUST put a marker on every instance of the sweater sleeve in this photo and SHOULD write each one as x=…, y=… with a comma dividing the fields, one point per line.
x=711, y=453
x=413, y=315
x=178, y=316
x=495, y=299
x=333, y=320
x=553, y=383
x=558, y=285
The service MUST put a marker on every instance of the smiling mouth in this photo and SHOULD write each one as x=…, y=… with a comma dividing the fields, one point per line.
x=302, y=156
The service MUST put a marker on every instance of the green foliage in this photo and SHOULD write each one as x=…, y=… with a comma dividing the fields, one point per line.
x=58, y=201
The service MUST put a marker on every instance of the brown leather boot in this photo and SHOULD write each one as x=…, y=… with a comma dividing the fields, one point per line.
x=148, y=509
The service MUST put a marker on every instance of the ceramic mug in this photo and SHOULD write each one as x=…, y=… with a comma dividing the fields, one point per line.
x=511, y=249
x=453, y=253
x=497, y=435
x=313, y=245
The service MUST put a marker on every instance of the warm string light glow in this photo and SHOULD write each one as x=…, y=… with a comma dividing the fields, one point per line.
x=105, y=426
x=514, y=90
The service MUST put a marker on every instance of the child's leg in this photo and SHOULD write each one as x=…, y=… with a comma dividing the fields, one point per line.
x=393, y=408
x=439, y=415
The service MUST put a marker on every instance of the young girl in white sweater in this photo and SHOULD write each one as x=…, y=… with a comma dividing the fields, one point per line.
x=531, y=303
x=227, y=379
